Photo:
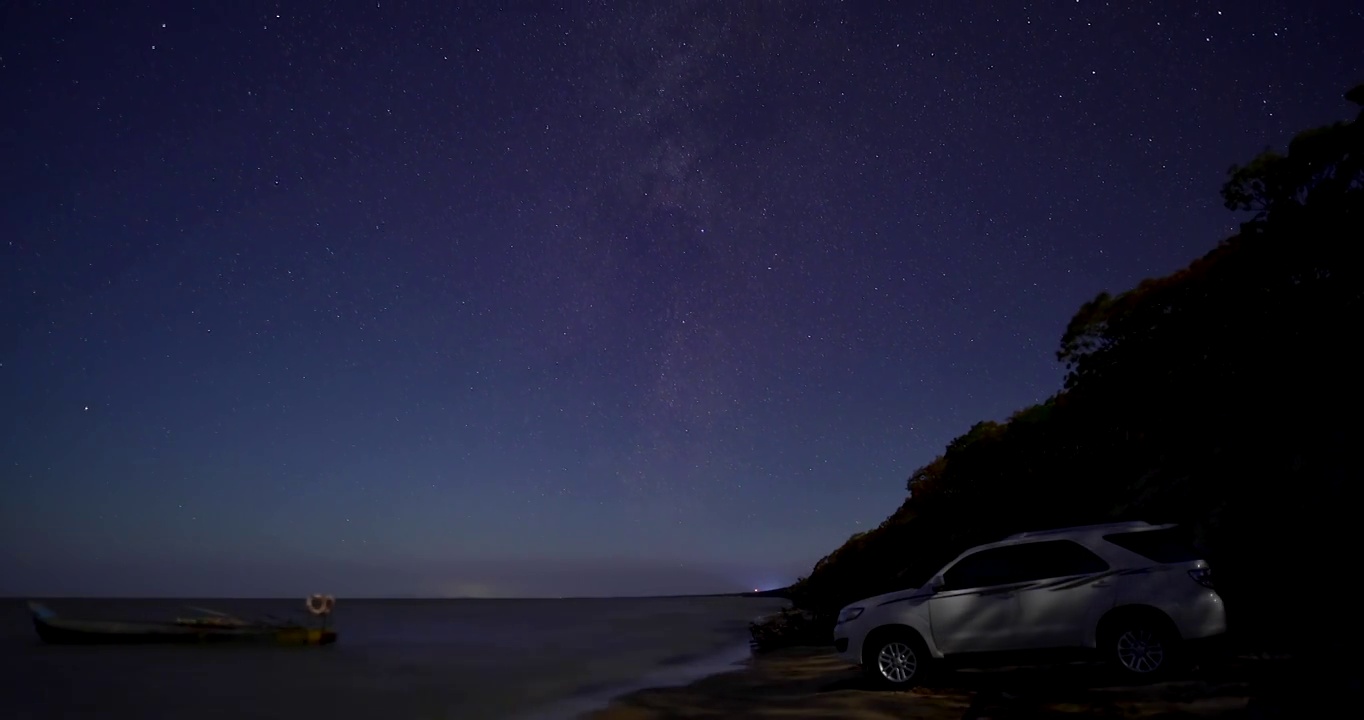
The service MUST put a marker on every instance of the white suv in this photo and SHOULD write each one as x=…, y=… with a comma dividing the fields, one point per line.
x=1134, y=591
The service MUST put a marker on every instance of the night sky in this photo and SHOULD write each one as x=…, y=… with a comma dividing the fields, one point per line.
x=388, y=298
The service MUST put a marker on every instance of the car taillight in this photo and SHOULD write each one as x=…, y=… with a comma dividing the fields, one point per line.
x=1202, y=576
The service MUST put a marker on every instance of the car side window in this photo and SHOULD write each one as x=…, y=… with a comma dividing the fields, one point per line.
x=1053, y=559
x=1171, y=545
x=1022, y=563
x=980, y=569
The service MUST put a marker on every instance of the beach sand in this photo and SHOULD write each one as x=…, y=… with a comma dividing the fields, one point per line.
x=806, y=683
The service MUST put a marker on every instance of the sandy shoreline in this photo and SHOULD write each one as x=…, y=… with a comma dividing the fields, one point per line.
x=805, y=683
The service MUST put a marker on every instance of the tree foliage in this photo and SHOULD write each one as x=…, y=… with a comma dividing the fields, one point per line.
x=1225, y=396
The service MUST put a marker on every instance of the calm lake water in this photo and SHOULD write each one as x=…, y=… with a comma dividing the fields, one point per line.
x=396, y=659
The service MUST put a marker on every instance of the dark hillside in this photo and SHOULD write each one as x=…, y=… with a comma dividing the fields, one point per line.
x=1225, y=396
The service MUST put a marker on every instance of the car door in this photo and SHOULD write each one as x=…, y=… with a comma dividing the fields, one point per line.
x=1067, y=588
x=975, y=609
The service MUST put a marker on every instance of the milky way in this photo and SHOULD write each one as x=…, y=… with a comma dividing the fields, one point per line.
x=639, y=297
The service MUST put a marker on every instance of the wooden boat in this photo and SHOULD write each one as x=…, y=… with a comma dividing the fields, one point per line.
x=220, y=628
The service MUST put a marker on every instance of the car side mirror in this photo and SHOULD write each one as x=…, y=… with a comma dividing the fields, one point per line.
x=936, y=584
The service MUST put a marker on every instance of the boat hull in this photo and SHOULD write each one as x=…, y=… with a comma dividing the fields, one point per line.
x=77, y=632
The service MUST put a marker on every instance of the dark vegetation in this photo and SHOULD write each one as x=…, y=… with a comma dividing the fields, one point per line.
x=1226, y=396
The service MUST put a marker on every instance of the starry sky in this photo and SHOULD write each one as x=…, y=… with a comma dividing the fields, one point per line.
x=530, y=298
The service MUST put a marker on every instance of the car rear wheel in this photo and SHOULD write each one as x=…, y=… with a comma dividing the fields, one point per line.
x=896, y=659
x=1141, y=648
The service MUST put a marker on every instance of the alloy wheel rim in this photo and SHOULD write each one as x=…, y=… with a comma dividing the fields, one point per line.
x=1140, y=651
x=897, y=662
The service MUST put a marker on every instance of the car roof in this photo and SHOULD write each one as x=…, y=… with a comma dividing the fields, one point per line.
x=1084, y=530
x=1079, y=532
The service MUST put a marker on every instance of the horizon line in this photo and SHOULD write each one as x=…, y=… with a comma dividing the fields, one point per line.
x=754, y=594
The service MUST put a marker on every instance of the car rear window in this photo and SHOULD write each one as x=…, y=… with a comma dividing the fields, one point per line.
x=1169, y=545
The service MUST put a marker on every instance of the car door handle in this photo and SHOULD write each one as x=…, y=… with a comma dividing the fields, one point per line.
x=1102, y=583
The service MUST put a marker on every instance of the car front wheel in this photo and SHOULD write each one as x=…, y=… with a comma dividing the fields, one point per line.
x=896, y=660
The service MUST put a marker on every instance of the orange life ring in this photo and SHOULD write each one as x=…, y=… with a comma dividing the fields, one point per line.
x=321, y=604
